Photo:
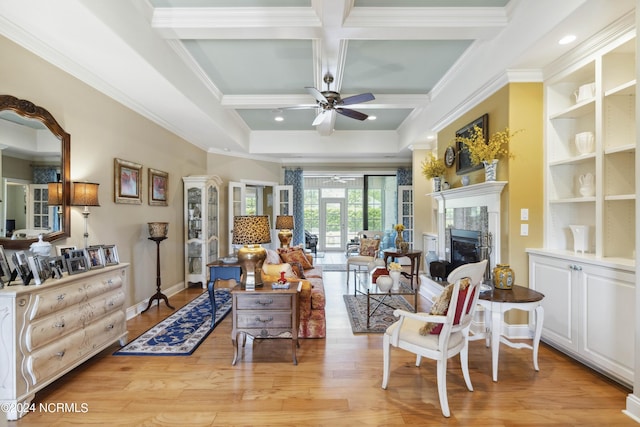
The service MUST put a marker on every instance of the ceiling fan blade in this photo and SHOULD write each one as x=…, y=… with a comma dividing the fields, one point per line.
x=300, y=107
x=316, y=94
x=357, y=99
x=320, y=118
x=352, y=113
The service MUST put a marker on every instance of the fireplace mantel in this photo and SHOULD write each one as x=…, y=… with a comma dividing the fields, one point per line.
x=482, y=194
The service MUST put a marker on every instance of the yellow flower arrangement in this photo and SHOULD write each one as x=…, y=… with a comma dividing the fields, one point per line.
x=432, y=167
x=399, y=228
x=481, y=151
x=394, y=266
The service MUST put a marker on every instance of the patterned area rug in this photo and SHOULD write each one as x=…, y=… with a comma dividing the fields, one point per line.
x=380, y=320
x=181, y=333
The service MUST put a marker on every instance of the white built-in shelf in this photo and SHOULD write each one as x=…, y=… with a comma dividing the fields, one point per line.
x=578, y=110
x=628, y=88
x=574, y=160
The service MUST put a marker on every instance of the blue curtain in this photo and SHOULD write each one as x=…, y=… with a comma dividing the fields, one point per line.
x=294, y=178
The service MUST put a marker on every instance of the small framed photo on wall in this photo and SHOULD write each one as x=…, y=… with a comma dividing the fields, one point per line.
x=158, y=187
x=127, y=182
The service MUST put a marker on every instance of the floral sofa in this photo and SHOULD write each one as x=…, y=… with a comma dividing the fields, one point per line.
x=299, y=265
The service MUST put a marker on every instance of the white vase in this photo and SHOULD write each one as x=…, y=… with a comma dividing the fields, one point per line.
x=384, y=283
x=490, y=170
x=437, y=183
x=580, y=238
x=395, y=276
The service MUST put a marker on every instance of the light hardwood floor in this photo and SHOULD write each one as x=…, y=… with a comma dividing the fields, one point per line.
x=337, y=382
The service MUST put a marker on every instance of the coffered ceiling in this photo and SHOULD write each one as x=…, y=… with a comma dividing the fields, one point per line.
x=218, y=72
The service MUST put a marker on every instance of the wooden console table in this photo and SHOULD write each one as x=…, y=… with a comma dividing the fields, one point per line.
x=414, y=257
x=265, y=313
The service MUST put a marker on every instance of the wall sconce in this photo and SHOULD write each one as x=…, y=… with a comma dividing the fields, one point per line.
x=251, y=231
x=284, y=223
x=85, y=194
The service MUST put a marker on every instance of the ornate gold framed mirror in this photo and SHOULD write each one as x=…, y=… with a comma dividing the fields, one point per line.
x=35, y=153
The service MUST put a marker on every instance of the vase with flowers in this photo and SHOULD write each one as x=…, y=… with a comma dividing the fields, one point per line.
x=433, y=168
x=394, y=272
x=488, y=152
x=399, y=239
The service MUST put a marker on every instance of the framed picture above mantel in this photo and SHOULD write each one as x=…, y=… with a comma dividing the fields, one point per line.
x=463, y=164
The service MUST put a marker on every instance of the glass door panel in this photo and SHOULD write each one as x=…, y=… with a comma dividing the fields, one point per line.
x=333, y=225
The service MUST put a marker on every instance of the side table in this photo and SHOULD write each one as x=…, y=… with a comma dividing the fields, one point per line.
x=219, y=270
x=158, y=295
x=414, y=256
x=265, y=313
x=496, y=303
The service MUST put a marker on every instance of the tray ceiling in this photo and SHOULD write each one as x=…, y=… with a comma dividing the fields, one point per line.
x=218, y=72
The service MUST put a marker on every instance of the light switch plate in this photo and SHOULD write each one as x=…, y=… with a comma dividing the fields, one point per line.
x=524, y=229
x=524, y=214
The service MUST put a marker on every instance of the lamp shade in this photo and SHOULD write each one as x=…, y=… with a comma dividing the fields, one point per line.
x=251, y=229
x=284, y=222
x=55, y=194
x=85, y=194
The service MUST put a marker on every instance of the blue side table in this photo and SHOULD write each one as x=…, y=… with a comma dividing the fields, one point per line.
x=219, y=270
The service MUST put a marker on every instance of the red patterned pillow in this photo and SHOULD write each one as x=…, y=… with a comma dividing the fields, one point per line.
x=369, y=247
x=441, y=306
x=295, y=255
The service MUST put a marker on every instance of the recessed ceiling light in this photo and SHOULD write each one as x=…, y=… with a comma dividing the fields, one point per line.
x=371, y=118
x=278, y=118
x=567, y=39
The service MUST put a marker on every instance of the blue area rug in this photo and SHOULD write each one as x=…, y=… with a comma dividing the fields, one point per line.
x=181, y=333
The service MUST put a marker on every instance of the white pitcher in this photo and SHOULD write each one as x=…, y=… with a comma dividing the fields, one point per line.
x=584, y=92
x=584, y=142
x=587, y=184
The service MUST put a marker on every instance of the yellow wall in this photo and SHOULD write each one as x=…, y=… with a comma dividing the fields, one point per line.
x=516, y=106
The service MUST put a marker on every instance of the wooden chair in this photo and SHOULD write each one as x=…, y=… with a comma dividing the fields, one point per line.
x=451, y=340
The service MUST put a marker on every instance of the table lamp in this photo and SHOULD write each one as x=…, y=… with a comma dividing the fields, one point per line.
x=251, y=231
x=85, y=194
x=55, y=199
x=284, y=223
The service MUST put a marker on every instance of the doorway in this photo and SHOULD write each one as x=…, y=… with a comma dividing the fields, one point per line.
x=333, y=225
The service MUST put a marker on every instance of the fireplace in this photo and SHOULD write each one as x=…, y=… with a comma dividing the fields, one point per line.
x=465, y=247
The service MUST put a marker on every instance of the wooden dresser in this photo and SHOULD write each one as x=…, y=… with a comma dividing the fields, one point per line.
x=47, y=330
x=265, y=313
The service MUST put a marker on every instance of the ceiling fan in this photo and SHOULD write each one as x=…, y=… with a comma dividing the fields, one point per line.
x=329, y=101
x=338, y=179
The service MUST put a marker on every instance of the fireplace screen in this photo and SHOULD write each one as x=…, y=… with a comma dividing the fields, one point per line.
x=464, y=247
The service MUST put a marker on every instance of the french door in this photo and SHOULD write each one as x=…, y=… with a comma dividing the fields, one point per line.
x=333, y=225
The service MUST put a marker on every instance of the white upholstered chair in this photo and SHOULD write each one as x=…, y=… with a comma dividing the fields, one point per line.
x=365, y=261
x=451, y=340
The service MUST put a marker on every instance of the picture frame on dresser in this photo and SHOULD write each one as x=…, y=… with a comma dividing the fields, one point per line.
x=95, y=255
x=5, y=273
x=63, y=250
x=20, y=262
x=77, y=262
x=110, y=254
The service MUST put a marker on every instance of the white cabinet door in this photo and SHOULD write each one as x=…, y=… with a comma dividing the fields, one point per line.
x=608, y=304
x=554, y=278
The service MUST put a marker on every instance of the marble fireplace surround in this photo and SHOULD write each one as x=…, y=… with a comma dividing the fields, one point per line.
x=485, y=194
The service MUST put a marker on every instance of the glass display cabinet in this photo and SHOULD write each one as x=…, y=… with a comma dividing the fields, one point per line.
x=201, y=219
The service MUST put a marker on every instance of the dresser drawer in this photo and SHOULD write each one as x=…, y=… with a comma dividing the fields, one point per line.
x=271, y=301
x=263, y=319
x=63, y=322
x=48, y=302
